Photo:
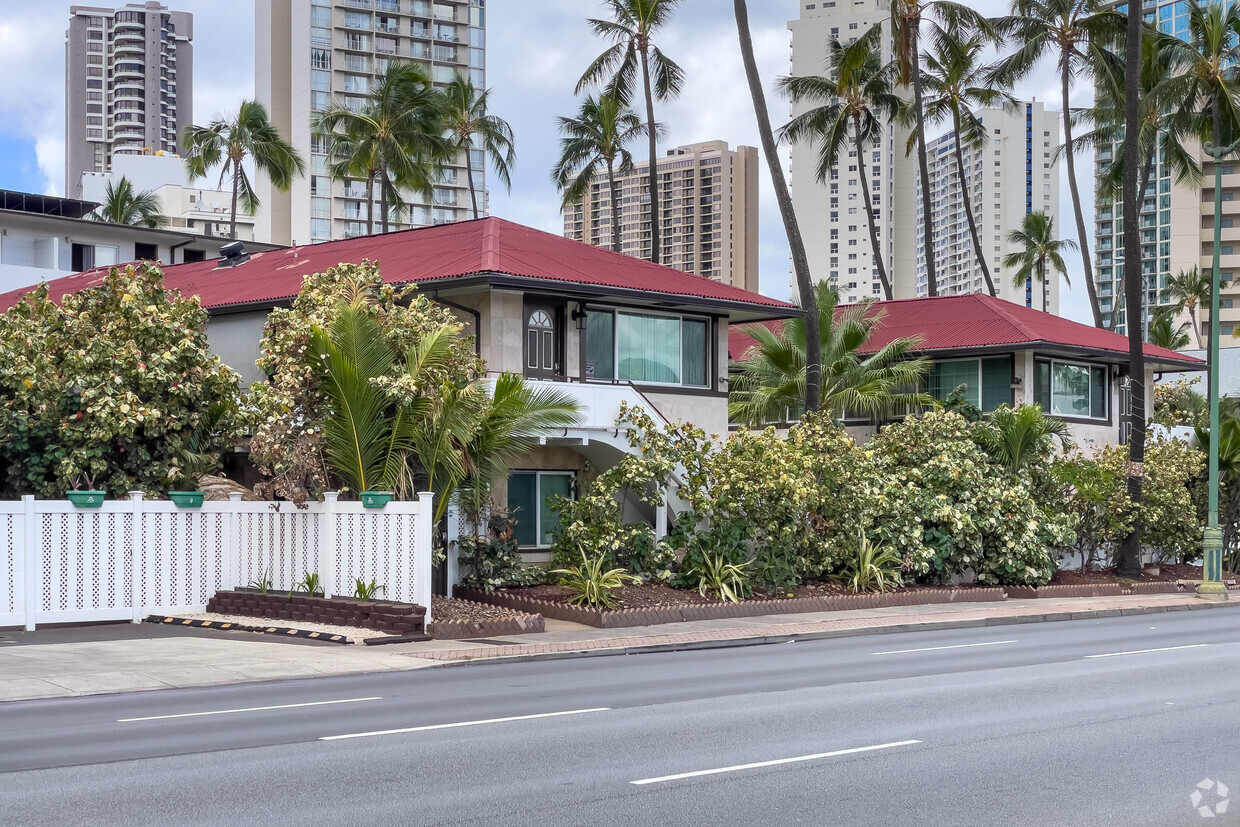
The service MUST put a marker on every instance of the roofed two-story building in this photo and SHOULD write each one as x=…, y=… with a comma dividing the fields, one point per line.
x=609, y=328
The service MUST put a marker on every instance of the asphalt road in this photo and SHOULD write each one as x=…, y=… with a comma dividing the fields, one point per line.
x=1048, y=724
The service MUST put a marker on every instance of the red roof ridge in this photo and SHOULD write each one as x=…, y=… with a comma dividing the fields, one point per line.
x=490, y=244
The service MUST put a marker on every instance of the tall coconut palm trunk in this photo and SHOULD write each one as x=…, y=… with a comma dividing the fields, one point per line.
x=800, y=261
x=614, y=188
x=370, y=202
x=1070, y=158
x=869, y=215
x=653, y=136
x=384, y=194
x=927, y=205
x=968, y=208
x=232, y=219
x=1128, y=563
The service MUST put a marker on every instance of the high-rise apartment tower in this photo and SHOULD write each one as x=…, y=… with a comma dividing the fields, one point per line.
x=308, y=52
x=710, y=204
x=129, y=80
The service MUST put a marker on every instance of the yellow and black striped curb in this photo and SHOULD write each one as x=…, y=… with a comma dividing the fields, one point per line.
x=283, y=631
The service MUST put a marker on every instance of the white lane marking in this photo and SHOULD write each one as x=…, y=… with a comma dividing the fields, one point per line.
x=1143, y=651
x=463, y=723
x=698, y=773
x=937, y=648
x=247, y=709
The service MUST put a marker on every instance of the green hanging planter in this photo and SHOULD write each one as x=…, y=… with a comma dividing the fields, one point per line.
x=87, y=499
x=186, y=499
x=376, y=499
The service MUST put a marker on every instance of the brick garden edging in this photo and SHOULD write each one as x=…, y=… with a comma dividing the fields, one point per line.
x=622, y=618
x=1083, y=590
x=488, y=627
x=376, y=615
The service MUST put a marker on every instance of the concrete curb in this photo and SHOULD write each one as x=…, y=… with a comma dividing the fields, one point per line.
x=827, y=634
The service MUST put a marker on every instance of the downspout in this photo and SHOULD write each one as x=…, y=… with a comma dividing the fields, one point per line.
x=477, y=320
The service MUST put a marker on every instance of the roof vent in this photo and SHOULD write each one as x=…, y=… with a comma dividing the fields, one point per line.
x=232, y=254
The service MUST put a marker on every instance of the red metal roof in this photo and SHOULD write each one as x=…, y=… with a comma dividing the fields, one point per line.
x=434, y=254
x=976, y=321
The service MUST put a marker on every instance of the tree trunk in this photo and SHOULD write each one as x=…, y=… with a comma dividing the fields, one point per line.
x=1129, y=561
x=469, y=175
x=655, y=255
x=383, y=201
x=869, y=213
x=614, y=189
x=232, y=222
x=968, y=209
x=1082, y=238
x=1042, y=278
x=927, y=206
x=370, y=202
x=1147, y=169
x=1192, y=317
x=800, y=261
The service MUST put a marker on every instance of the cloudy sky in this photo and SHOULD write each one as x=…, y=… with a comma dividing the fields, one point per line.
x=536, y=50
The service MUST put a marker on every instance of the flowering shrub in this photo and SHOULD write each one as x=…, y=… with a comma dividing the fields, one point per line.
x=109, y=388
x=291, y=406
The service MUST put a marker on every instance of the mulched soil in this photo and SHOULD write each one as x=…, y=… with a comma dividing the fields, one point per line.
x=445, y=609
x=1076, y=577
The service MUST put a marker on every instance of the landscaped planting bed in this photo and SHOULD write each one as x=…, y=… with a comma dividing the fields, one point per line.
x=377, y=615
x=456, y=619
x=647, y=605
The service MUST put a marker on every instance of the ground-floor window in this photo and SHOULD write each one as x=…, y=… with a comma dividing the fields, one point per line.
x=987, y=382
x=529, y=496
x=1074, y=390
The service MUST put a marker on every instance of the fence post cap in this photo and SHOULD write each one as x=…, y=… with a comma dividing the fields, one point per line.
x=331, y=496
x=234, y=496
x=136, y=495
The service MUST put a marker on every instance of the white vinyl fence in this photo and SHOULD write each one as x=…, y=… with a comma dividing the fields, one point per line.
x=131, y=558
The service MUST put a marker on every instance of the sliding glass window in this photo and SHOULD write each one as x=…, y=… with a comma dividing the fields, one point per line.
x=647, y=348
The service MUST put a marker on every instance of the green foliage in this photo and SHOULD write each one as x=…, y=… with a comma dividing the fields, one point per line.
x=309, y=583
x=494, y=560
x=715, y=575
x=1020, y=438
x=1095, y=499
x=122, y=204
x=874, y=569
x=1179, y=403
x=592, y=584
x=115, y=383
x=950, y=508
x=367, y=591
x=263, y=583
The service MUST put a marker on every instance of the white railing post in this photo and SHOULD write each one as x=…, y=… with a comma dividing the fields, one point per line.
x=327, y=543
x=660, y=516
x=135, y=555
x=232, y=548
x=33, y=574
x=424, y=533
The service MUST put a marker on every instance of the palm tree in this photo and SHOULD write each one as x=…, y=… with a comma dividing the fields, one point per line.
x=468, y=123
x=1078, y=34
x=1209, y=77
x=771, y=376
x=396, y=138
x=1014, y=437
x=956, y=83
x=1229, y=477
x=597, y=137
x=1164, y=332
x=858, y=94
x=796, y=244
x=1188, y=290
x=1040, y=255
x=249, y=136
x=438, y=440
x=123, y=205
x=631, y=33
x=907, y=17
x=1128, y=561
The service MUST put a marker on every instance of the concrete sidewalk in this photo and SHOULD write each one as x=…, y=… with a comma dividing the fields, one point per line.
x=122, y=659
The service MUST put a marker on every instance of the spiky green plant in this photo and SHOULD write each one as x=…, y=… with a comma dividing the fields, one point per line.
x=592, y=585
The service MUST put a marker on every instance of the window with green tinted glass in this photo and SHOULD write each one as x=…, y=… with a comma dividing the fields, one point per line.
x=996, y=383
x=530, y=495
x=1072, y=390
x=945, y=377
x=650, y=348
x=601, y=345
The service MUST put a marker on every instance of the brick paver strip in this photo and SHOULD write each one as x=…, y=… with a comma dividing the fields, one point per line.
x=990, y=614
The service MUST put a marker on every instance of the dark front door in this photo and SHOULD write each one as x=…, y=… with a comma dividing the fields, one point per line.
x=542, y=341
